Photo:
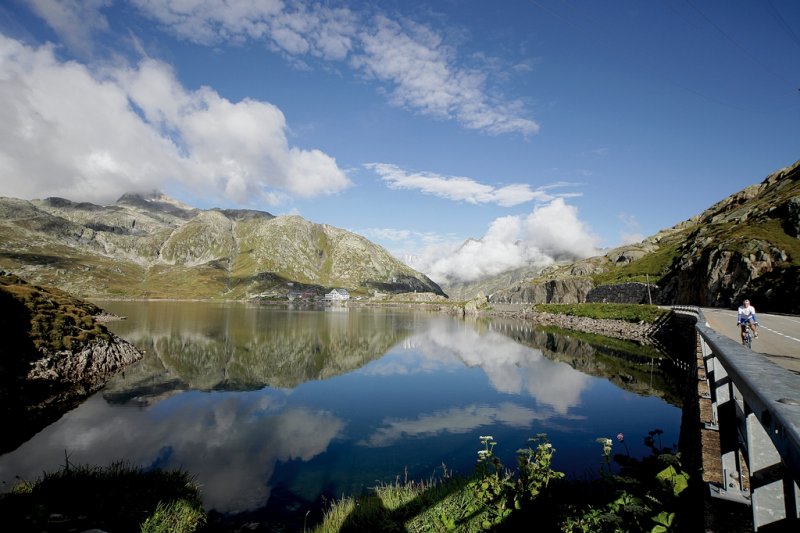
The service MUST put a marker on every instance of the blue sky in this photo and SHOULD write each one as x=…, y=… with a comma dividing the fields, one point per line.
x=466, y=137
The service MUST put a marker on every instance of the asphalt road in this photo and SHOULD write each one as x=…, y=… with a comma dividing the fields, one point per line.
x=778, y=335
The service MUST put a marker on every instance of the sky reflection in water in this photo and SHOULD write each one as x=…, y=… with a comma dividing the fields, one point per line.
x=250, y=399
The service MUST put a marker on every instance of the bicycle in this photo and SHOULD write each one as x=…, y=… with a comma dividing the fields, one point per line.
x=747, y=334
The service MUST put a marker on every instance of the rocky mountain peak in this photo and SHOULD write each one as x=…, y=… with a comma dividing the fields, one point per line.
x=156, y=201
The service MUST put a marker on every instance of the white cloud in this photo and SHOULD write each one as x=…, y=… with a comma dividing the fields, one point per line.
x=425, y=77
x=556, y=230
x=70, y=131
x=455, y=188
x=420, y=70
x=549, y=233
x=74, y=20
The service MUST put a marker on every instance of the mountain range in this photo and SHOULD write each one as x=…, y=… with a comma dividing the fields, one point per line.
x=150, y=246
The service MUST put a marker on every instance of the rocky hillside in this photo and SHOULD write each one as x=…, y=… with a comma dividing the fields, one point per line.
x=747, y=245
x=153, y=246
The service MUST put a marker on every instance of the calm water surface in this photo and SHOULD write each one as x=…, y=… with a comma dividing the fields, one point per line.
x=274, y=408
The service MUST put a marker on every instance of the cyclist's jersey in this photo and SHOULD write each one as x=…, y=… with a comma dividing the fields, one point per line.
x=746, y=313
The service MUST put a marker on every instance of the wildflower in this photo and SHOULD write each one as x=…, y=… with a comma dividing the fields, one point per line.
x=607, y=443
x=620, y=437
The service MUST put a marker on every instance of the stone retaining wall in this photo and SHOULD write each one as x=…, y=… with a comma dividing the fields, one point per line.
x=624, y=293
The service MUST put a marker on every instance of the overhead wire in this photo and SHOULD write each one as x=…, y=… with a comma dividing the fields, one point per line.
x=739, y=46
x=782, y=22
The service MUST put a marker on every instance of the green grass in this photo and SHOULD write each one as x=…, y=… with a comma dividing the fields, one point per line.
x=635, y=313
x=405, y=506
x=58, y=320
x=119, y=497
x=737, y=237
x=174, y=516
x=650, y=268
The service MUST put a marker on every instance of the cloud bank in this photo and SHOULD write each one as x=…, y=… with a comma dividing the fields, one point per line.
x=416, y=67
x=551, y=232
x=95, y=134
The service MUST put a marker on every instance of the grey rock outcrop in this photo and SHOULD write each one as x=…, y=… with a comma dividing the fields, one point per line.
x=564, y=291
x=791, y=212
x=88, y=366
x=610, y=328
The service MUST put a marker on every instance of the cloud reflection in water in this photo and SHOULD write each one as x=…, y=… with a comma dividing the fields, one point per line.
x=511, y=367
x=231, y=442
x=456, y=420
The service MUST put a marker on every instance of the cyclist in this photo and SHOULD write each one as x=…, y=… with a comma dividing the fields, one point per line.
x=747, y=317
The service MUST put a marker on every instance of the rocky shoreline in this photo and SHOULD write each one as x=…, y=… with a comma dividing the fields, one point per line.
x=643, y=333
x=619, y=329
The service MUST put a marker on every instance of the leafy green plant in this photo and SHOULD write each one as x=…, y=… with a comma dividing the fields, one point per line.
x=535, y=470
x=495, y=486
x=644, y=496
x=607, y=444
x=502, y=492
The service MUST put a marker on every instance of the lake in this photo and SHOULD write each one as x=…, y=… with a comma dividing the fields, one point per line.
x=276, y=410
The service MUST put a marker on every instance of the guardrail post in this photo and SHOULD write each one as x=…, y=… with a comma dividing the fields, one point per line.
x=767, y=477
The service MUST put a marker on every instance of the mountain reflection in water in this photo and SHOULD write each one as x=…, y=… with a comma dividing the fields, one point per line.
x=254, y=400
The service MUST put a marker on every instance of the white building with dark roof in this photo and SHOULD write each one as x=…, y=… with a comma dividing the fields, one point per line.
x=337, y=295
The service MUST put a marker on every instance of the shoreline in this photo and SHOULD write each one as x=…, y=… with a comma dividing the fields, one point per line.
x=620, y=329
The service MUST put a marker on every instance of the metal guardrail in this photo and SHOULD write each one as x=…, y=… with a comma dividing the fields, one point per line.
x=756, y=410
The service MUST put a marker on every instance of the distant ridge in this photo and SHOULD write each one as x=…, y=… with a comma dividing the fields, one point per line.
x=152, y=246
